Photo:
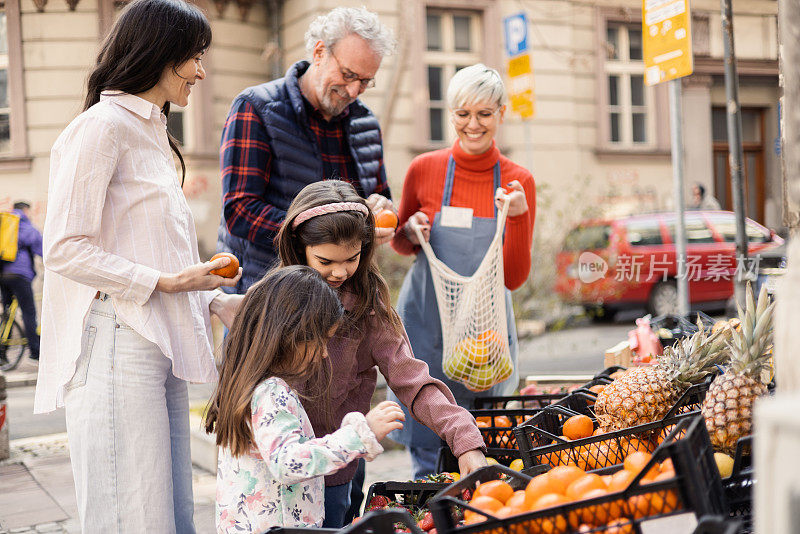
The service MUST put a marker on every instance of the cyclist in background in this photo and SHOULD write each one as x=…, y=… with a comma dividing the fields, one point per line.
x=16, y=276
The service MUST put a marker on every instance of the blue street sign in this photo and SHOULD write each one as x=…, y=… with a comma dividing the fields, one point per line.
x=516, y=33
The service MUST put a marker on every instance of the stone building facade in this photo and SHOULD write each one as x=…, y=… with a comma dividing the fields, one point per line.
x=599, y=141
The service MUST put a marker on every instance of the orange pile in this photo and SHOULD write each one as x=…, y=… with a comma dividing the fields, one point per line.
x=593, y=455
x=568, y=484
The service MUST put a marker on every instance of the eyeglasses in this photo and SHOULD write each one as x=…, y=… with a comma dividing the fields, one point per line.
x=484, y=116
x=350, y=76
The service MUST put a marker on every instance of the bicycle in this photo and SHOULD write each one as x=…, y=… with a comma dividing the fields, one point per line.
x=13, y=343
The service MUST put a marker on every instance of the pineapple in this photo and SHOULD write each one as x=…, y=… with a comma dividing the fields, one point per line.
x=728, y=405
x=645, y=394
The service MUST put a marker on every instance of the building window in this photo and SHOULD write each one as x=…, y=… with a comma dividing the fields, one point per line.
x=629, y=102
x=453, y=41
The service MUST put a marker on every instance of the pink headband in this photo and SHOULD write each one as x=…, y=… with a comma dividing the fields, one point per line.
x=328, y=208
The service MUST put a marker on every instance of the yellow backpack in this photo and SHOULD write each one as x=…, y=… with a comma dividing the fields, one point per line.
x=9, y=234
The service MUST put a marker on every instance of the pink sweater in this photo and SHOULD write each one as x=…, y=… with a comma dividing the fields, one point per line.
x=353, y=357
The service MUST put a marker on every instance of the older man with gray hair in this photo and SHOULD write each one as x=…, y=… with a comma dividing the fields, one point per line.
x=307, y=126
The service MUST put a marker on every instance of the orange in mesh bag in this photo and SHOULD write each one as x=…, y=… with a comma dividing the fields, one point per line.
x=472, y=310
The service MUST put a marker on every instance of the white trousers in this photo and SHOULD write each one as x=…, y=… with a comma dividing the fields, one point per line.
x=128, y=428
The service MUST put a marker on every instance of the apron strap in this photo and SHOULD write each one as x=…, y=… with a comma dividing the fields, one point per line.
x=450, y=176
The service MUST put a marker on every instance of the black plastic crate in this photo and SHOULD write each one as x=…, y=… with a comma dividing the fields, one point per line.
x=608, y=371
x=378, y=522
x=717, y=525
x=739, y=486
x=499, y=436
x=695, y=488
x=540, y=447
x=516, y=401
x=551, y=418
x=409, y=495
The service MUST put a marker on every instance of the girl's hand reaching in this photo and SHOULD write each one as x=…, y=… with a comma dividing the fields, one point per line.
x=384, y=418
x=470, y=461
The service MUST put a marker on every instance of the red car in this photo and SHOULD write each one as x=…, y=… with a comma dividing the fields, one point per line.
x=630, y=261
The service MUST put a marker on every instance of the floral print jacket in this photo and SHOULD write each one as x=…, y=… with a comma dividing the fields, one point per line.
x=279, y=481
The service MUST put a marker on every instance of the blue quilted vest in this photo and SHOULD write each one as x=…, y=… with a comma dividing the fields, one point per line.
x=296, y=161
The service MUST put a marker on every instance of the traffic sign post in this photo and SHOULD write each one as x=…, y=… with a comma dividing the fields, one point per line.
x=520, y=74
x=667, y=36
x=667, y=39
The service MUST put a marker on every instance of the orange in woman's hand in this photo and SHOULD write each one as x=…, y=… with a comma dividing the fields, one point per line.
x=230, y=270
x=386, y=219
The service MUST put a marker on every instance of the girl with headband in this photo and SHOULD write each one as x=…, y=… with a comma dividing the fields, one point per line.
x=329, y=228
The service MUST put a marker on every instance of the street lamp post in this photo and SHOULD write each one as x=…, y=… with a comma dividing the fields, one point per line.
x=735, y=157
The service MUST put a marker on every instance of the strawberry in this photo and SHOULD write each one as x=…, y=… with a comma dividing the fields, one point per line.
x=378, y=502
x=426, y=523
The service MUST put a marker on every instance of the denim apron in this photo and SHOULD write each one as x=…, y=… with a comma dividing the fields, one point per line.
x=461, y=249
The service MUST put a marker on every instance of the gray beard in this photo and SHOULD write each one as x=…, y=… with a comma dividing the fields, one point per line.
x=334, y=110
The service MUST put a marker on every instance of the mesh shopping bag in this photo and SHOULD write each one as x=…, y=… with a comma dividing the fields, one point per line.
x=472, y=310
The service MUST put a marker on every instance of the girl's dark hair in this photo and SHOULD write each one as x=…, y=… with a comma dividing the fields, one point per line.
x=343, y=227
x=288, y=307
x=148, y=37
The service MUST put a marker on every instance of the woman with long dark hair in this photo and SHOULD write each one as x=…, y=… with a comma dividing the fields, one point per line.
x=127, y=301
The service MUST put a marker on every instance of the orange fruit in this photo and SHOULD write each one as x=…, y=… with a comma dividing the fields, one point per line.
x=665, y=475
x=578, y=427
x=538, y=486
x=620, y=480
x=505, y=511
x=629, y=445
x=564, y=475
x=517, y=500
x=637, y=461
x=502, y=421
x=497, y=489
x=230, y=270
x=619, y=526
x=595, y=514
x=484, y=503
x=607, y=480
x=548, y=525
x=548, y=500
x=584, y=484
x=666, y=465
x=386, y=219
x=597, y=388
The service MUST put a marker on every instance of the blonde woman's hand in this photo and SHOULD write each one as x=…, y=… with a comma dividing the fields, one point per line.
x=518, y=204
x=384, y=418
x=197, y=277
x=421, y=220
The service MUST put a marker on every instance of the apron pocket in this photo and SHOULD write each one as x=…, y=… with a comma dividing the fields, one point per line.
x=82, y=364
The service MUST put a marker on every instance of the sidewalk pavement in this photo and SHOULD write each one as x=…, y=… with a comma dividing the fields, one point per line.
x=23, y=375
x=37, y=493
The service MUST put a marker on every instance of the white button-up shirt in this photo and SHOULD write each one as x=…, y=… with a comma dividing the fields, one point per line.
x=116, y=219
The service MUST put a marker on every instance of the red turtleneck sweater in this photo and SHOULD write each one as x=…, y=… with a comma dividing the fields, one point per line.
x=473, y=187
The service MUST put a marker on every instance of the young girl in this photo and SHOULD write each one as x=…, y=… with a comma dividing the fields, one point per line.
x=329, y=228
x=270, y=464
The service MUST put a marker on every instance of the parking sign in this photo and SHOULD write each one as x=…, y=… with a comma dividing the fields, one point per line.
x=516, y=34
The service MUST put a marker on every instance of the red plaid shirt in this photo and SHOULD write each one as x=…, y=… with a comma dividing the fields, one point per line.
x=246, y=164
